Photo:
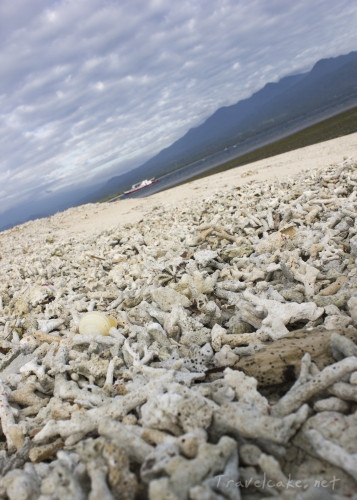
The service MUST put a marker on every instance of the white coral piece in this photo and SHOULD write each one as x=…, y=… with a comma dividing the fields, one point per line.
x=279, y=315
x=333, y=453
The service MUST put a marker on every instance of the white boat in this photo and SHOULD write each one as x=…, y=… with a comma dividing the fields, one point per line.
x=141, y=185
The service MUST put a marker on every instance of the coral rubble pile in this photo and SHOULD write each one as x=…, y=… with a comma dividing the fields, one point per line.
x=205, y=353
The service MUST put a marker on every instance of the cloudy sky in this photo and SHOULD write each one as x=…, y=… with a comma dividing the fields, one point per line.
x=93, y=88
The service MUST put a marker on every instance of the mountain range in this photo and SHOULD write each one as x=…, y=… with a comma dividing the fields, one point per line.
x=292, y=103
x=277, y=110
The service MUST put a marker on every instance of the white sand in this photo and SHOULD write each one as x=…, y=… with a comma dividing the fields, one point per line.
x=94, y=218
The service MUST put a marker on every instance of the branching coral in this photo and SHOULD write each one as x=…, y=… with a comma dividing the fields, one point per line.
x=279, y=315
x=309, y=384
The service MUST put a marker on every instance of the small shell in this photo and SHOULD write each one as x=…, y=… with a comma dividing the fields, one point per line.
x=96, y=323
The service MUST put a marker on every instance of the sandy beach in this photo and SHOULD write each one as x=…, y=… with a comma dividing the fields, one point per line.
x=94, y=218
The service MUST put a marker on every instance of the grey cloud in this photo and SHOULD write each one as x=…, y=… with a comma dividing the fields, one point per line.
x=91, y=81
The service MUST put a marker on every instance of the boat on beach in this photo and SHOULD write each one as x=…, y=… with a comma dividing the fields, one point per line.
x=141, y=185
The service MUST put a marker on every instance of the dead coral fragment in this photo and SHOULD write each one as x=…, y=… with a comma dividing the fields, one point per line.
x=306, y=386
x=177, y=411
x=233, y=418
x=333, y=453
x=181, y=476
x=13, y=433
x=334, y=287
x=280, y=314
x=46, y=451
x=107, y=462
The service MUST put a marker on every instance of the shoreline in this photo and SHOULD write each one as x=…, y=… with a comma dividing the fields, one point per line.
x=91, y=219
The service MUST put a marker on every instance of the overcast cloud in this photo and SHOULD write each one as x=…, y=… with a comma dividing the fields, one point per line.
x=92, y=88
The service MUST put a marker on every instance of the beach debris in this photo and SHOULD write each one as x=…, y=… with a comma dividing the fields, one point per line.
x=279, y=361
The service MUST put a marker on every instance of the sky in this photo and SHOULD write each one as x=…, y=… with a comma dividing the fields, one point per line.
x=93, y=88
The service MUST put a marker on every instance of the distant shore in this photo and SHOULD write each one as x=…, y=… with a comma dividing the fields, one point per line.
x=335, y=127
x=91, y=219
x=331, y=127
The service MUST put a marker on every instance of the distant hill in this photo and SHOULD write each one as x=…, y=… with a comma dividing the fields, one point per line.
x=278, y=109
x=330, y=84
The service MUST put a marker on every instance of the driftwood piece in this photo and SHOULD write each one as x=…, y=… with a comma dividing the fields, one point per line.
x=280, y=361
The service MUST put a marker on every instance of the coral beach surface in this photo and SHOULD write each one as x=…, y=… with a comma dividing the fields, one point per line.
x=198, y=344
